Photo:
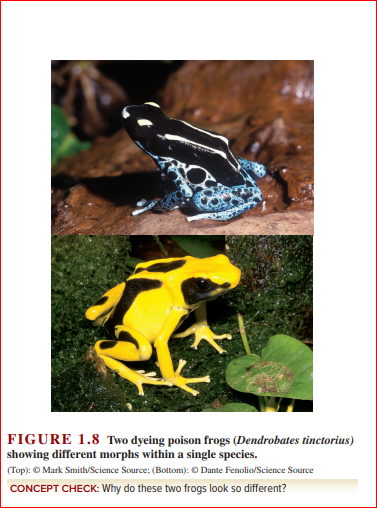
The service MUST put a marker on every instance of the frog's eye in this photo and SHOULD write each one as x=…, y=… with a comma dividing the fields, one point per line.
x=143, y=127
x=202, y=284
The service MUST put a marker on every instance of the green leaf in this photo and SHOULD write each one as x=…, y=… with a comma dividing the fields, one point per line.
x=285, y=369
x=195, y=246
x=63, y=142
x=71, y=146
x=59, y=130
x=133, y=262
x=233, y=407
x=236, y=373
x=298, y=358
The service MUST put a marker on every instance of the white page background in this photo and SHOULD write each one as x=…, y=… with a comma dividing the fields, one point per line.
x=340, y=38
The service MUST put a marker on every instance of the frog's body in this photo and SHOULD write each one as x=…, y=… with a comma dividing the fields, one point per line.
x=200, y=162
x=151, y=305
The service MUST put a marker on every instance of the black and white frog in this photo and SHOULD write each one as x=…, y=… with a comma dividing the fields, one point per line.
x=200, y=162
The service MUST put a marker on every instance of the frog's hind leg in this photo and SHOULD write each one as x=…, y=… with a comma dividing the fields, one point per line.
x=138, y=378
x=225, y=203
x=202, y=331
x=164, y=359
x=129, y=346
x=101, y=310
x=224, y=215
x=257, y=170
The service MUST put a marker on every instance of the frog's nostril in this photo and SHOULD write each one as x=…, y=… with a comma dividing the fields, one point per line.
x=125, y=113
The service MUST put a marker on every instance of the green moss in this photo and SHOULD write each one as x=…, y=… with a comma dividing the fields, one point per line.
x=276, y=291
x=82, y=269
x=83, y=388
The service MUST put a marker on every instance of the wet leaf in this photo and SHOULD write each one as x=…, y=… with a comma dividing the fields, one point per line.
x=285, y=369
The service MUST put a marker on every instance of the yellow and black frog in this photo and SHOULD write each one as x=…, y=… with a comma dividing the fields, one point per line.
x=151, y=305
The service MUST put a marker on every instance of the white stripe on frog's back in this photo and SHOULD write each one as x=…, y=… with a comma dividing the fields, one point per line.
x=207, y=132
x=185, y=140
x=236, y=164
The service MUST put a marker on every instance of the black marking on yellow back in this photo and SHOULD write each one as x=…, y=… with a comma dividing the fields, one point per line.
x=193, y=295
x=132, y=289
x=162, y=267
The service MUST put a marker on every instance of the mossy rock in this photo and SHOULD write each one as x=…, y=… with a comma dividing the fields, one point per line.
x=84, y=388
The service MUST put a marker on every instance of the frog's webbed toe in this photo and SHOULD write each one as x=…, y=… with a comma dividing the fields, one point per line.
x=138, y=378
x=182, y=382
x=210, y=337
x=203, y=332
x=148, y=207
x=142, y=202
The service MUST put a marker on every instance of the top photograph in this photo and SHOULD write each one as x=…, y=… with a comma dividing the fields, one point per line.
x=182, y=147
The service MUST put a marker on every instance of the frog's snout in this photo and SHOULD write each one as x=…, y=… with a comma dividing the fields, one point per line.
x=235, y=277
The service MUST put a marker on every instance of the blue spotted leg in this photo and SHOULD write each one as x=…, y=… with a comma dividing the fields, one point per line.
x=224, y=203
x=174, y=199
x=257, y=170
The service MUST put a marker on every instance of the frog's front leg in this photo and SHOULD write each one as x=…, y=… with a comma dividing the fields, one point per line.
x=166, y=204
x=151, y=205
x=257, y=170
x=172, y=200
x=130, y=346
x=202, y=331
x=224, y=203
x=163, y=354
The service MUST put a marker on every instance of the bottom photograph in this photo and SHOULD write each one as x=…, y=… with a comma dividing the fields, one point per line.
x=182, y=323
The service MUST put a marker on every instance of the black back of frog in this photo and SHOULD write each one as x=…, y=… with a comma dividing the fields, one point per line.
x=163, y=137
